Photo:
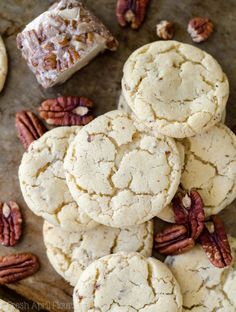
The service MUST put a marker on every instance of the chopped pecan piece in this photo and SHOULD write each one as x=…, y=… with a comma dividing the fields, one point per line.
x=165, y=30
x=67, y=111
x=10, y=223
x=131, y=12
x=216, y=244
x=200, y=29
x=29, y=128
x=173, y=240
x=16, y=267
x=190, y=220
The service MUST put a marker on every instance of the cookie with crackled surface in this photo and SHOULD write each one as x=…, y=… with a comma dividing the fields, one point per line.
x=119, y=172
x=127, y=282
x=7, y=307
x=205, y=288
x=71, y=253
x=210, y=168
x=43, y=183
x=3, y=64
x=175, y=88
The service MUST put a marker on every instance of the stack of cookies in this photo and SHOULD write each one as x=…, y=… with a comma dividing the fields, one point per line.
x=98, y=187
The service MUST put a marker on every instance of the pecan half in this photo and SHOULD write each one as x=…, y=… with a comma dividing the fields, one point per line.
x=200, y=29
x=16, y=267
x=10, y=223
x=173, y=240
x=131, y=12
x=216, y=244
x=190, y=220
x=188, y=210
x=67, y=111
x=29, y=128
x=165, y=30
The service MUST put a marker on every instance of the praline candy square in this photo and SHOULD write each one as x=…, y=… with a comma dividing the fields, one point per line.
x=62, y=40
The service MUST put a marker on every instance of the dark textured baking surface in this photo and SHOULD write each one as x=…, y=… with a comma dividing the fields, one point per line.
x=100, y=81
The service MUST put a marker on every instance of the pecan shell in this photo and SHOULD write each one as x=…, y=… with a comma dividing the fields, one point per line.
x=200, y=29
x=10, y=223
x=29, y=128
x=173, y=240
x=67, y=111
x=216, y=244
x=131, y=12
x=16, y=267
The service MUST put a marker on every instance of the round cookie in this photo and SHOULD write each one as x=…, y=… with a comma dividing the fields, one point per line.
x=127, y=282
x=43, y=182
x=210, y=168
x=205, y=288
x=123, y=105
x=119, y=172
x=3, y=64
x=71, y=254
x=177, y=89
x=6, y=307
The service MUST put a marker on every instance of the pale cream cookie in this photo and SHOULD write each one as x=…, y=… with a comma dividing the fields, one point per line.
x=127, y=282
x=43, y=182
x=119, y=172
x=71, y=253
x=175, y=88
x=205, y=288
x=3, y=64
x=6, y=307
x=210, y=168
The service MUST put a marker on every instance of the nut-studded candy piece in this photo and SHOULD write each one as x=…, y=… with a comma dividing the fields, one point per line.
x=131, y=12
x=216, y=244
x=62, y=40
x=16, y=267
x=29, y=128
x=67, y=111
x=200, y=29
x=10, y=223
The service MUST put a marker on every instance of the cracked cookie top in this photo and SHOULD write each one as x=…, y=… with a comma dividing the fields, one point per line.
x=204, y=287
x=119, y=172
x=3, y=64
x=43, y=182
x=6, y=307
x=71, y=254
x=210, y=168
x=127, y=282
x=176, y=88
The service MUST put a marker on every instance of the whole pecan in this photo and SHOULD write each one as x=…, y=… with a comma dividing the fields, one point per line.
x=200, y=29
x=16, y=267
x=29, y=128
x=173, y=240
x=10, y=223
x=131, y=12
x=67, y=111
x=216, y=244
x=189, y=218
